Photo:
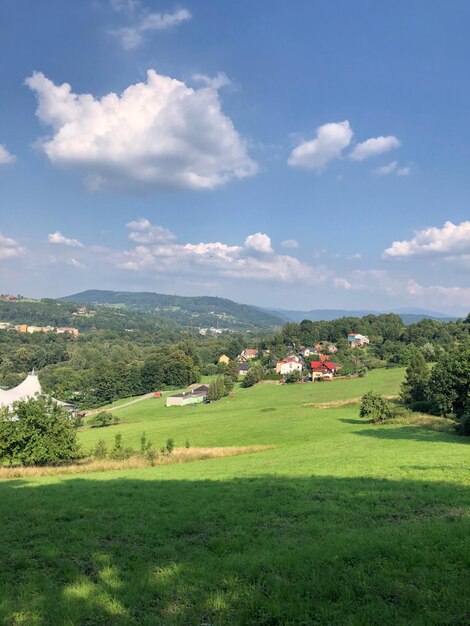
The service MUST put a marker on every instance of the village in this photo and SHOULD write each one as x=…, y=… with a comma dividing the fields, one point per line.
x=306, y=365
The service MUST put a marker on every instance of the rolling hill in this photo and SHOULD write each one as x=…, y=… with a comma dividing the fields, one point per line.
x=200, y=311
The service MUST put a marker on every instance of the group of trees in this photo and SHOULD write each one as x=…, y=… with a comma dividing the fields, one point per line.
x=223, y=384
x=441, y=389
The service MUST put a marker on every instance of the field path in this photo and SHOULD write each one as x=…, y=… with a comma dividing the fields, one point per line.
x=121, y=406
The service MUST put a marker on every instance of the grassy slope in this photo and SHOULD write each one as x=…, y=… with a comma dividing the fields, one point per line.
x=342, y=523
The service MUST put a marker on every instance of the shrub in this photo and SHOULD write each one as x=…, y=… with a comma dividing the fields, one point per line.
x=102, y=419
x=100, y=451
x=253, y=376
x=186, y=444
x=42, y=433
x=151, y=455
x=375, y=408
x=170, y=445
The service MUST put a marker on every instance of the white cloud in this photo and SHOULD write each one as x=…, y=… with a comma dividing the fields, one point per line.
x=142, y=231
x=75, y=263
x=214, y=82
x=259, y=242
x=5, y=156
x=156, y=135
x=452, y=296
x=9, y=248
x=386, y=169
x=404, y=171
x=450, y=239
x=133, y=36
x=290, y=243
x=330, y=141
x=374, y=146
x=60, y=239
x=355, y=256
x=255, y=260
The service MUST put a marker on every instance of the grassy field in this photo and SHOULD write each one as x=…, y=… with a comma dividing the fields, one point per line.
x=342, y=522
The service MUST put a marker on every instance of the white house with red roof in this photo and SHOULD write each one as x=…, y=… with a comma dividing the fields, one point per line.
x=287, y=366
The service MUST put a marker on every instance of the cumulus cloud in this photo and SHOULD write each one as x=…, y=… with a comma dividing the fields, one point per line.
x=331, y=139
x=9, y=248
x=374, y=146
x=142, y=231
x=156, y=135
x=59, y=239
x=451, y=239
x=255, y=259
x=133, y=36
x=290, y=243
x=5, y=156
x=259, y=242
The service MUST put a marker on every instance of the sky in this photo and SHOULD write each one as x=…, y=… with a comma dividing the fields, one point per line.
x=293, y=155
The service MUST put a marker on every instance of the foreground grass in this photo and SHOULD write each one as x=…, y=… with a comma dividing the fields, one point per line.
x=341, y=523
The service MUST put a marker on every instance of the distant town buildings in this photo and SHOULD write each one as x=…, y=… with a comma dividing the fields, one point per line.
x=26, y=328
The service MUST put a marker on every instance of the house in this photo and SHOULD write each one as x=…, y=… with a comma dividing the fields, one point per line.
x=324, y=370
x=288, y=366
x=306, y=352
x=356, y=340
x=65, y=329
x=223, y=358
x=22, y=328
x=188, y=397
x=243, y=369
x=198, y=388
x=248, y=354
x=322, y=345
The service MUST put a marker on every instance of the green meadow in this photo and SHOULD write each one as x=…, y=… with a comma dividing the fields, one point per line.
x=341, y=522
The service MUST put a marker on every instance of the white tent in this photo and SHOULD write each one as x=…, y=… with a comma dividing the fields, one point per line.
x=29, y=388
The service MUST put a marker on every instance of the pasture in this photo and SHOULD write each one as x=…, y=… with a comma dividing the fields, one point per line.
x=341, y=522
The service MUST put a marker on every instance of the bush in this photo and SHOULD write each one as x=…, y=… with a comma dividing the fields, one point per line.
x=170, y=445
x=151, y=455
x=42, y=433
x=118, y=453
x=375, y=408
x=100, y=450
x=102, y=419
x=463, y=424
x=253, y=376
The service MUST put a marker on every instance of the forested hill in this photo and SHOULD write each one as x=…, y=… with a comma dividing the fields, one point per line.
x=201, y=311
x=325, y=315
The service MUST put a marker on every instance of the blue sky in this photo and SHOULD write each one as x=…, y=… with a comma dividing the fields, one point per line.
x=295, y=155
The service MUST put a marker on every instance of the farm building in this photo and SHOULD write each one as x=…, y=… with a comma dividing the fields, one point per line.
x=189, y=397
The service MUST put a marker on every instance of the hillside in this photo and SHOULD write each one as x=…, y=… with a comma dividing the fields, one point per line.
x=200, y=311
x=341, y=522
x=316, y=315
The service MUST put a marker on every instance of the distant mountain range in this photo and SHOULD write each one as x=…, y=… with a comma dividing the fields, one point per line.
x=221, y=313
x=409, y=316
